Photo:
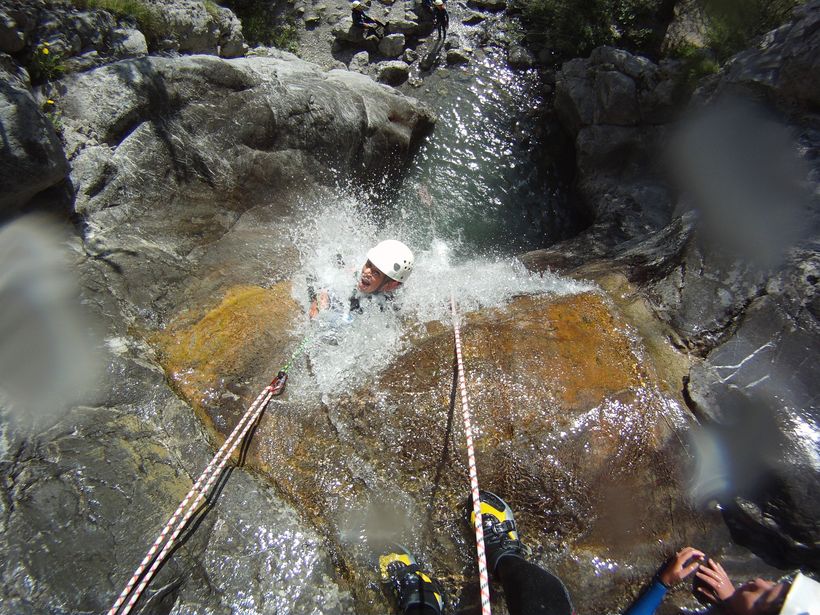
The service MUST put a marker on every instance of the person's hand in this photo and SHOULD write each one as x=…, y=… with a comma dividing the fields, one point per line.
x=716, y=586
x=684, y=563
x=322, y=302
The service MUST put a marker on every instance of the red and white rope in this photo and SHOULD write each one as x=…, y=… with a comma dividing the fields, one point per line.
x=483, y=576
x=200, y=489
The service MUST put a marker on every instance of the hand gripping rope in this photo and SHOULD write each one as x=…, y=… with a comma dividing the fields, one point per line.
x=198, y=492
x=483, y=577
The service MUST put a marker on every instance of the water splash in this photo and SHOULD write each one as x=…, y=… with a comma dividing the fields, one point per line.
x=349, y=348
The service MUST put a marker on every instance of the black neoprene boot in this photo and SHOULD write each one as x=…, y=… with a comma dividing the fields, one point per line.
x=500, y=532
x=415, y=591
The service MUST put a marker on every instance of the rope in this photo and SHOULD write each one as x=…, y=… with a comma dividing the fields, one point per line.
x=483, y=576
x=202, y=486
x=295, y=354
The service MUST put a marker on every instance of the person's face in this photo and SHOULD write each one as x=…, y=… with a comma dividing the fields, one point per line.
x=757, y=597
x=371, y=278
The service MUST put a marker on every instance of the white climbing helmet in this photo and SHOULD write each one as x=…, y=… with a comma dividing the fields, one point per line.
x=439, y=2
x=356, y=4
x=393, y=258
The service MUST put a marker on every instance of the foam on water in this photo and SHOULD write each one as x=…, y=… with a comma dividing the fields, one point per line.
x=348, y=350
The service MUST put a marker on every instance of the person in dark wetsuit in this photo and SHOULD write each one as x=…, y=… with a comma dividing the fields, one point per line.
x=388, y=266
x=369, y=26
x=441, y=18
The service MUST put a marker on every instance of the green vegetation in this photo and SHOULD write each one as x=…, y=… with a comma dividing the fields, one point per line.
x=46, y=63
x=732, y=25
x=147, y=18
x=285, y=36
x=264, y=24
x=54, y=115
x=574, y=27
x=212, y=8
x=698, y=62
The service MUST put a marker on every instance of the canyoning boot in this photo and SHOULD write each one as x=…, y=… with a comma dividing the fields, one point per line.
x=414, y=590
x=500, y=532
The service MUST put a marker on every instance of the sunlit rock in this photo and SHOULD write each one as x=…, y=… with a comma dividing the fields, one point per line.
x=573, y=426
x=392, y=45
x=206, y=355
x=519, y=57
x=393, y=72
x=359, y=62
x=31, y=158
x=457, y=56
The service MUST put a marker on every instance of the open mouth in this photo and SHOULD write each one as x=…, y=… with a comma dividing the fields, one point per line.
x=365, y=281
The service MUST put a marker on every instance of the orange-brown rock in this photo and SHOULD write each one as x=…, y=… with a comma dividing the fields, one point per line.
x=573, y=427
x=212, y=357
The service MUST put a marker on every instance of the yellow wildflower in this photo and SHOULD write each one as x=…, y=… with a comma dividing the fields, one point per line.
x=49, y=102
x=45, y=51
x=46, y=43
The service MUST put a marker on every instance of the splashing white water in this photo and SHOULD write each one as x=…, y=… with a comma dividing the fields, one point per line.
x=348, y=348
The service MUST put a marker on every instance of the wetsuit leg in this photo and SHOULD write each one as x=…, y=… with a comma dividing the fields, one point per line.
x=531, y=590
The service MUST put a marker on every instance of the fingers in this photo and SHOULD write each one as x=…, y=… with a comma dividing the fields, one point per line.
x=686, y=571
x=690, y=552
x=713, y=572
x=713, y=582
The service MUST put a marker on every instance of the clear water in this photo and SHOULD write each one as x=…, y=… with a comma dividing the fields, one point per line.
x=484, y=180
x=479, y=192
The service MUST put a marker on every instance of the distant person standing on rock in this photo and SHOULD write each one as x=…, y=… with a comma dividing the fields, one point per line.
x=441, y=18
x=368, y=25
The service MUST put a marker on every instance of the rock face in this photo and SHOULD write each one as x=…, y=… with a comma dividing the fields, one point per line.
x=31, y=156
x=615, y=105
x=568, y=443
x=738, y=282
x=93, y=37
x=175, y=162
x=394, y=72
x=243, y=131
x=392, y=45
x=786, y=63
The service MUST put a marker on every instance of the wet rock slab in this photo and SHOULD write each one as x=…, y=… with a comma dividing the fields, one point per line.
x=83, y=500
x=573, y=425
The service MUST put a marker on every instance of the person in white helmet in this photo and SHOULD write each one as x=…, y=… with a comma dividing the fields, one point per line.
x=441, y=18
x=369, y=26
x=388, y=266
